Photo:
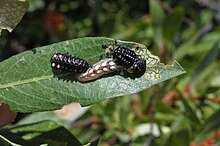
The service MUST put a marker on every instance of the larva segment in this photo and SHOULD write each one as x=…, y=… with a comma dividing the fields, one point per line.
x=127, y=58
x=99, y=69
x=65, y=62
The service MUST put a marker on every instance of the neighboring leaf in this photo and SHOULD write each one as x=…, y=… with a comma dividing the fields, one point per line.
x=180, y=126
x=28, y=83
x=172, y=23
x=157, y=16
x=207, y=60
x=180, y=138
x=11, y=13
x=190, y=113
x=180, y=123
x=203, y=46
x=194, y=48
x=46, y=132
x=215, y=82
x=184, y=48
x=35, y=5
x=165, y=112
x=207, y=75
x=6, y=142
x=75, y=112
x=166, y=109
x=210, y=126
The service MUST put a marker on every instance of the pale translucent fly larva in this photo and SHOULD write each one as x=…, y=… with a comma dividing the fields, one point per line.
x=99, y=69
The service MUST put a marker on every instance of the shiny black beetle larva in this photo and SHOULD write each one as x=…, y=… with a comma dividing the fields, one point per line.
x=125, y=57
x=65, y=62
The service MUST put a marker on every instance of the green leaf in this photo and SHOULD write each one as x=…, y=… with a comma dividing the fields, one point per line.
x=157, y=15
x=172, y=23
x=46, y=132
x=207, y=75
x=179, y=133
x=184, y=48
x=210, y=126
x=207, y=60
x=28, y=83
x=35, y=5
x=75, y=113
x=190, y=113
x=180, y=123
x=11, y=13
x=180, y=138
x=6, y=142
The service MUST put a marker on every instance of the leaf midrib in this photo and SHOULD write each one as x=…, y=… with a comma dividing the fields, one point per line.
x=12, y=84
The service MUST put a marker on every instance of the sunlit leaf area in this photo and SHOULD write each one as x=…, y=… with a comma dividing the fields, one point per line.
x=109, y=73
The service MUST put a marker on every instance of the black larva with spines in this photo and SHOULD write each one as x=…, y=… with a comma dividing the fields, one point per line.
x=129, y=59
x=65, y=62
x=124, y=56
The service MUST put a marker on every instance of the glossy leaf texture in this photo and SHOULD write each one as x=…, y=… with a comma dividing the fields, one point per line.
x=11, y=13
x=28, y=83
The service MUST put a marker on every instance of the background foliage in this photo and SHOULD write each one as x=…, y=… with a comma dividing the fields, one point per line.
x=182, y=111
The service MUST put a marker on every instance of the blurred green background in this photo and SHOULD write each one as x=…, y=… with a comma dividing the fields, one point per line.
x=179, y=112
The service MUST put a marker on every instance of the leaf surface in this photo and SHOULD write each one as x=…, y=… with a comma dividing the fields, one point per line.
x=28, y=83
x=44, y=132
x=11, y=13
